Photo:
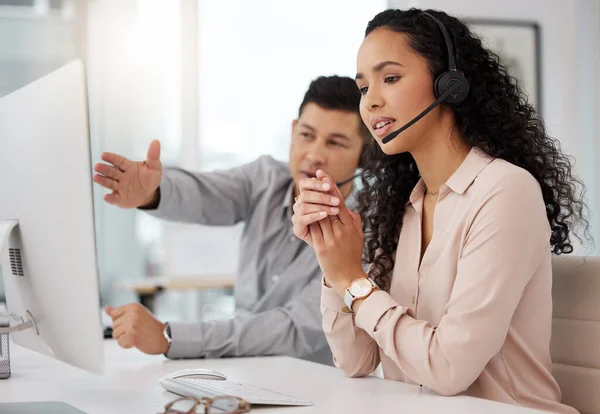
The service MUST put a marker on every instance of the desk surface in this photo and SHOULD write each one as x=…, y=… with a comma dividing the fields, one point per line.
x=130, y=385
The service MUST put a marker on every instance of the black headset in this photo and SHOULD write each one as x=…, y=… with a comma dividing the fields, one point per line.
x=452, y=76
x=450, y=87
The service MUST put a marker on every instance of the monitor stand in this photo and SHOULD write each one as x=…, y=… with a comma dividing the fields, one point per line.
x=9, y=260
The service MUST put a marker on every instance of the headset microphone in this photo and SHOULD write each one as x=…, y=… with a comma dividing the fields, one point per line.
x=416, y=119
x=342, y=183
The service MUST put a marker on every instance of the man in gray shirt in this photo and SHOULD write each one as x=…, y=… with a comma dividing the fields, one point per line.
x=277, y=290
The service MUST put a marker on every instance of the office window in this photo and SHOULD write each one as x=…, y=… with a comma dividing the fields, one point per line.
x=134, y=87
x=36, y=40
x=256, y=60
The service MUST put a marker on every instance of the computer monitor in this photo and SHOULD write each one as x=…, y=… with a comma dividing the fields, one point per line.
x=47, y=240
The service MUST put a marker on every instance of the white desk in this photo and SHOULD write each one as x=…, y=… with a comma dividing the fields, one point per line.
x=130, y=386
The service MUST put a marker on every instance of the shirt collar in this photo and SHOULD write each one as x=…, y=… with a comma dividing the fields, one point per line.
x=462, y=178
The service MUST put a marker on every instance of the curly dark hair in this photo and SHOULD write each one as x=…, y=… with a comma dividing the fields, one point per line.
x=496, y=117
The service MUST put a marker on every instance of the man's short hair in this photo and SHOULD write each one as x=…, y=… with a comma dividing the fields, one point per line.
x=336, y=92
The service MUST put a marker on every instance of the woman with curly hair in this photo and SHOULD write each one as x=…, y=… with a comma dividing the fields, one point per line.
x=460, y=212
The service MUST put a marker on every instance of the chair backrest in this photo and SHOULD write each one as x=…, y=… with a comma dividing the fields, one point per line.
x=575, y=345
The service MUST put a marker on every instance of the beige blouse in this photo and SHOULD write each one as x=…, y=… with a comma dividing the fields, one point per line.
x=475, y=317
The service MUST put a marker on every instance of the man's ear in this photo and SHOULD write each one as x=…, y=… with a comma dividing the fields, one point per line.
x=294, y=123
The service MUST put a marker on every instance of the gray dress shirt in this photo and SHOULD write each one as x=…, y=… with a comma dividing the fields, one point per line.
x=278, y=285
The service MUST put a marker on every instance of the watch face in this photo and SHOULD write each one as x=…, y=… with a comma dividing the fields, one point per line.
x=361, y=287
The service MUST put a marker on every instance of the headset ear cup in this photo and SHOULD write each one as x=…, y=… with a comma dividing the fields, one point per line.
x=436, y=86
x=446, y=81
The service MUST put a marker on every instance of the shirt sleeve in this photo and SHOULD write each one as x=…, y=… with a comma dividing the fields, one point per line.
x=358, y=352
x=218, y=198
x=292, y=330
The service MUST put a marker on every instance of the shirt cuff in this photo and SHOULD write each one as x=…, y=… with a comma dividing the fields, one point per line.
x=166, y=193
x=373, y=308
x=330, y=299
x=181, y=341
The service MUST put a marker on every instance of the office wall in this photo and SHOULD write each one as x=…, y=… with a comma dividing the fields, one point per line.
x=589, y=87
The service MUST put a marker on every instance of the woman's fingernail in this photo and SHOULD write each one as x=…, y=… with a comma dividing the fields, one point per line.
x=322, y=214
x=326, y=186
x=335, y=210
x=335, y=200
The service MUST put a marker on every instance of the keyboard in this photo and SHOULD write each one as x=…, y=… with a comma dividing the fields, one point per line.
x=201, y=388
